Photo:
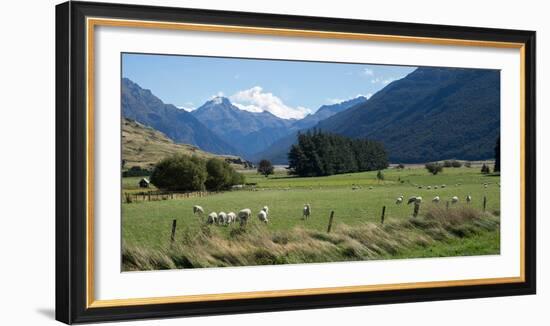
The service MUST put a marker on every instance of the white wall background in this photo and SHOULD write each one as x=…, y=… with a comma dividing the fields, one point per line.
x=27, y=161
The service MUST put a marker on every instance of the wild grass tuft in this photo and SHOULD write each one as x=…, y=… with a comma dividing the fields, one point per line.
x=435, y=234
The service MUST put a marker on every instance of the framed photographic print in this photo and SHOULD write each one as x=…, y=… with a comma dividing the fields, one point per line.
x=214, y=162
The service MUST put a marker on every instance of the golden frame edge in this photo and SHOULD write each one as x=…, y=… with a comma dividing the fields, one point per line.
x=91, y=22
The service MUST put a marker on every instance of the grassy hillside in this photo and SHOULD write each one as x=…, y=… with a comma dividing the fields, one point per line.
x=144, y=146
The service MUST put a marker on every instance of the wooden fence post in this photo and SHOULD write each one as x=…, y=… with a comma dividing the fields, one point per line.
x=484, y=203
x=383, y=214
x=173, y=235
x=416, y=208
x=330, y=221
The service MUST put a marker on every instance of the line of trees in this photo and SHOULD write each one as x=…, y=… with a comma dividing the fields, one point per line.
x=191, y=173
x=321, y=154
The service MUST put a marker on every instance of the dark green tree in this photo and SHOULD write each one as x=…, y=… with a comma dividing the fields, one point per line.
x=265, y=168
x=320, y=154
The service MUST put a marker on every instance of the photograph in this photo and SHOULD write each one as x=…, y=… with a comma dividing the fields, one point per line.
x=233, y=161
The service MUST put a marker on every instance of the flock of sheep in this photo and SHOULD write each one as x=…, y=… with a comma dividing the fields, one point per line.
x=436, y=200
x=242, y=216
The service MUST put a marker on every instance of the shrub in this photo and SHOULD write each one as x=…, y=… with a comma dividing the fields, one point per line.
x=468, y=164
x=179, y=173
x=452, y=164
x=434, y=168
x=485, y=169
x=456, y=164
x=400, y=166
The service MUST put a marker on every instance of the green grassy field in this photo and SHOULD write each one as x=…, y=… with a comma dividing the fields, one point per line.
x=148, y=224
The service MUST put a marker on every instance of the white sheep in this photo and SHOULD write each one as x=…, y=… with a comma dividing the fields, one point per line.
x=306, y=211
x=435, y=187
x=436, y=200
x=262, y=216
x=244, y=215
x=428, y=187
x=454, y=199
x=212, y=218
x=414, y=199
x=399, y=200
x=222, y=218
x=231, y=217
x=468, y=199
x=443, y=186
x=198, y=210
x=266, y=209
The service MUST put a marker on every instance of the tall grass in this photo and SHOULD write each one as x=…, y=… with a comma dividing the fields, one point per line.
x=258, y=245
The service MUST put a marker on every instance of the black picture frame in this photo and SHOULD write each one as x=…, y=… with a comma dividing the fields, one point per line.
x=71, y=157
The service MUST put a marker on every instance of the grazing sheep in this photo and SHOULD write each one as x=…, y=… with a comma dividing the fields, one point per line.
x=266, y=209
x=370, y=188
x=428, y=187
x=262, y=216
x=419, y=187
x=231, y=217
x=435, y=187
x=198, y=210
x=454, y=199
x=436, y=200
x=212, y=218
x=222, y=218
x=244, y=215
x=485, y=185
x=399, y=200
x=443, y=186
x=468, y=199
x=414, y=199
x=306, y=211
x=354, y=188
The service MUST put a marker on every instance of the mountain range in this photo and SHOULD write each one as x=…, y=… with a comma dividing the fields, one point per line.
x=141, y=105
x=431, y=114
x=249, y=132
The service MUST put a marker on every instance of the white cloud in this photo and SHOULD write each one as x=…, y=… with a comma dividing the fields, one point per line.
x=368, y=72
x=334, y=100
x=218, y=94
x=187, y=106
x=256, y=100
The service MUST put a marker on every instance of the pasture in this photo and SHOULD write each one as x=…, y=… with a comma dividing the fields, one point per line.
x=357, y=200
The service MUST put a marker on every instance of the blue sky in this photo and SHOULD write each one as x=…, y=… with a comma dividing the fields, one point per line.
x=288, y=89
